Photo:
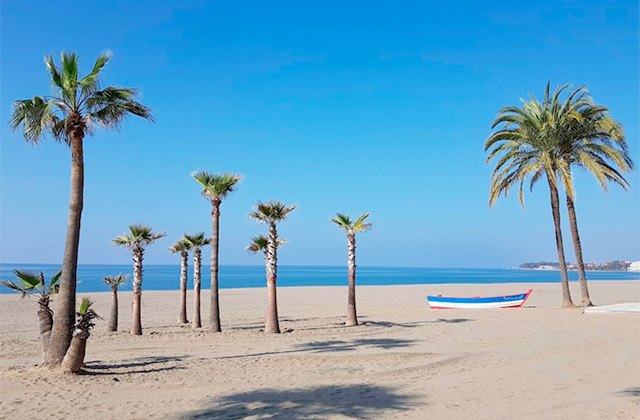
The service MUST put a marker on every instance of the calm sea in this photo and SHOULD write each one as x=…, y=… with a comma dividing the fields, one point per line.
x=166, y=277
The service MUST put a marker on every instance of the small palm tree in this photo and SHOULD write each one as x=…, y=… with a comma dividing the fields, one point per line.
x=526, y=146
x=352, y=227
x=114, y=283
x=138, y=238
x=30, y=283
x=196, y=242
x=77, y=106
x=593, y=141
x=74, y=359
x=215, y=188
x=271, y=214
x=183, y=247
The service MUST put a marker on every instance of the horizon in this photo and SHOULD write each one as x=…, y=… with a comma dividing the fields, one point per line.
x=385, y=113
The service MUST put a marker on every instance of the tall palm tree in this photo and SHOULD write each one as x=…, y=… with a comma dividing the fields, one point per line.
x=30, y=283
x=594, y=141
x=138, y=238
x=76, y=107
x=114, y=282
x=74, y=358
x=196, y=242
x=183, y=247
x=271, y=214
x=352, y=227
x=215, y=188
x=526, y=147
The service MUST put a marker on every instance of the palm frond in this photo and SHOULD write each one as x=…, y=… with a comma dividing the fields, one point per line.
x=261, y=242
x=90, y=81
x=216, y=186
x=180, y=246
x=115, y=281
x=272, y=211
x=197, y=240
x=37, y=116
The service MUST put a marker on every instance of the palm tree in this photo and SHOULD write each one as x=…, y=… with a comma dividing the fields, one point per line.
x=215, y=187
x=138, y=238
x=526, y=146
x=114, y=283
x=594, y=141
x=196, y=242
x=183, y=247
x=74, y=359
x=271, y=213
x=31, y=283
x=352, y=227
x=78, y=106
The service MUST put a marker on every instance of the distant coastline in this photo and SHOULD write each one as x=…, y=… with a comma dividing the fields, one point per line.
x=618, y=265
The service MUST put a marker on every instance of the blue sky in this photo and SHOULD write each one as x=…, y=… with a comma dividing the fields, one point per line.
x=336, y=106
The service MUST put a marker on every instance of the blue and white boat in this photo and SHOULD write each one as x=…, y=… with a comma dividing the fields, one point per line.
x=477, y=302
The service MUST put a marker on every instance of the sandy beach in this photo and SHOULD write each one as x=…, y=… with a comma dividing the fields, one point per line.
x=405, y=361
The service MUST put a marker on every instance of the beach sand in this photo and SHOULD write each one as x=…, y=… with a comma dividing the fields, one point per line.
x=406, y=361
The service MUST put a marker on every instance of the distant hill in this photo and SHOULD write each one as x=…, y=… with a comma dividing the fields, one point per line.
x=607, y=266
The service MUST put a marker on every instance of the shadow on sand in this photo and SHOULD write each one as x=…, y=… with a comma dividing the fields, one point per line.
x=453, y=320
x=359, y=401
x=148, y=365
x=631, y=392
x=335, y=346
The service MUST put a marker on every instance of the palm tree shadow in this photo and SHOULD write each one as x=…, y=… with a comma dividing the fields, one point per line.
x=149, y=364
x=339, y=345
x=631, y=392
x=357, y=401
x=453, y=320
x=390, y=324
x=335, y=346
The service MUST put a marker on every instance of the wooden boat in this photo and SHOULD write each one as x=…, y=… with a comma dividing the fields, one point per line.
x=477, y=302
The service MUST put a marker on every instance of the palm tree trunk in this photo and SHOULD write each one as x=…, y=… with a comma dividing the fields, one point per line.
x=352, y=318
x=64, y=320
x=272, y=324
x=45, y=316
x=197, y=263
x=214, y=310
x=74, y=359
x=577, y=246
x=112, y=325
x=136, y=321
x=555, y=210
x=184, y=270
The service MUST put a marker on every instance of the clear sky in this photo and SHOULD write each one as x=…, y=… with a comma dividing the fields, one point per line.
x=337, y=106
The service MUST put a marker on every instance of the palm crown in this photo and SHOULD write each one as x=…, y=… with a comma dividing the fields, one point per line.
x=115, y=281
x=527, y=144
x=76, y=103
x=596, y=142
x=197, y=240
x=271, y=212
x=216, y=186
x=85, y=315
x=180, y=246
x=32, y=283
x=260, y=243
x=352, y=226
x=139, y=236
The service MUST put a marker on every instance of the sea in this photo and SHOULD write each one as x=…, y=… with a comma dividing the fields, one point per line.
x=166, y=277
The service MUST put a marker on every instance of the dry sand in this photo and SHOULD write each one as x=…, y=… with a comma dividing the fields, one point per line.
x=407, y=361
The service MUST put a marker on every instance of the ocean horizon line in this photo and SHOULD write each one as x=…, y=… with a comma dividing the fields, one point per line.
x=166, y=276
x=313, y=266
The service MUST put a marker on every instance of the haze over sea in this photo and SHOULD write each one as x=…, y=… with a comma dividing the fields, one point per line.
x=166, y=277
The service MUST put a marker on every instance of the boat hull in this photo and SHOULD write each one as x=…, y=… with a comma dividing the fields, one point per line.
x=453, y=302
